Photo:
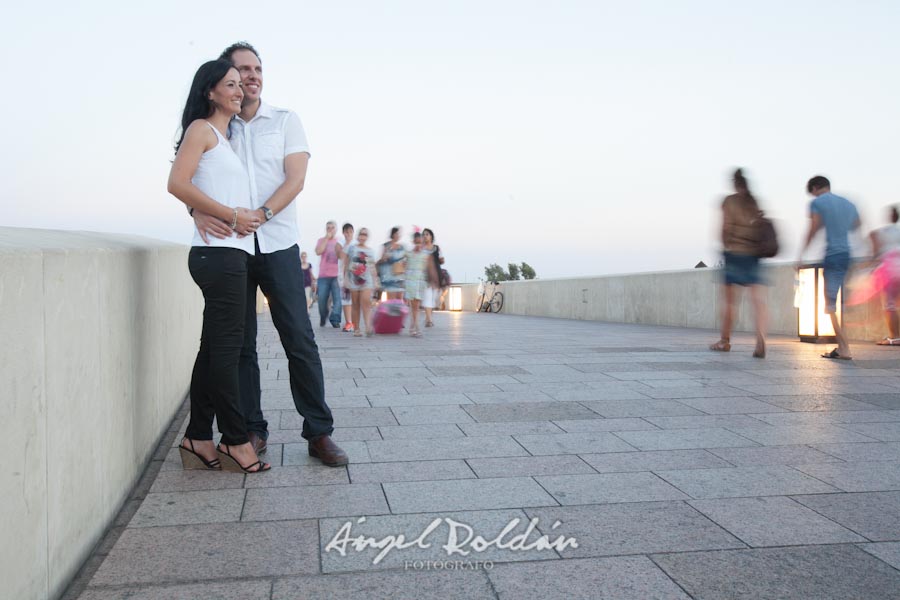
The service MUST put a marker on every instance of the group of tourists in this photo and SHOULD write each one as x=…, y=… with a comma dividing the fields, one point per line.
x=352, y=274
x=747, y=236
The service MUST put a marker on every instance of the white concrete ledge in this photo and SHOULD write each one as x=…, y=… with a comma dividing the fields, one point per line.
x=100, y=335
x=687, y=298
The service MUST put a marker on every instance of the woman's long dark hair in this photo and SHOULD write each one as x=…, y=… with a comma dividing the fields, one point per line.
x=198, y=105
x=743, y=188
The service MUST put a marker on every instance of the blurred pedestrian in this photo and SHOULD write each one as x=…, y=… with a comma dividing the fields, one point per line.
x=359, y=263
x=431, y=298
x=739, y=242
x=419, y=269
x=839, y=217
x=309, y=280
x=886, y=251
x=346, y=298
x=329, y=250
x=392, y=266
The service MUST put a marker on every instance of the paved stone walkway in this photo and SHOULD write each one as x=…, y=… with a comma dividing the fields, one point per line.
x=680, y=473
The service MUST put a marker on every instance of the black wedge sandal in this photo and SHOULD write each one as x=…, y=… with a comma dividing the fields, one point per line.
x=230, y=463
x=191, y=459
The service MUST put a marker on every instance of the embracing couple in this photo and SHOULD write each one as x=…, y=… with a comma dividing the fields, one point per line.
x=239, y=165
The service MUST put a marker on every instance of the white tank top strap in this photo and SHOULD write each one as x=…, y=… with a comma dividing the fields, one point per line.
x=219, y=135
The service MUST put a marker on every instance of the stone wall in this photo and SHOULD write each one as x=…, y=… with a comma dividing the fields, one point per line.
x=100, y=334
x=687, y=298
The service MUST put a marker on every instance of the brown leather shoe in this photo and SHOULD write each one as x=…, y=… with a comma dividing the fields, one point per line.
x=327, y=451
x=259, y=443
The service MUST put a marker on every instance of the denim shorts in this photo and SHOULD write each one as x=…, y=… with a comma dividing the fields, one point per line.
x=835, y=267
x=741, y=269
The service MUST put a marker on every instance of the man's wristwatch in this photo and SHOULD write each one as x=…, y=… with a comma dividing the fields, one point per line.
x=267, y=211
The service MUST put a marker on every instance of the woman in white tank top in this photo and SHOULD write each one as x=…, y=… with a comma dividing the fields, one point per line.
x=208, y=176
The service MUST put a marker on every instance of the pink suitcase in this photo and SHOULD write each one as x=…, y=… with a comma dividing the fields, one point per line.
x=389, y=316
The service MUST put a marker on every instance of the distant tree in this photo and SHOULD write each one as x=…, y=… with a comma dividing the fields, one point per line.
x=495, y=272
x=527, y=271
x=513, y=271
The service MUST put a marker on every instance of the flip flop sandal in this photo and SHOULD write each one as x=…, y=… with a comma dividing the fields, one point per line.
x=834, y=354
x=889, y=342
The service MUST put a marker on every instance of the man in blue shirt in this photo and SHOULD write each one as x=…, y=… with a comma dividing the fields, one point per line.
x=839, y=217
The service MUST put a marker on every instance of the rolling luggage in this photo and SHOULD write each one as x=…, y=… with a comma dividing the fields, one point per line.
x=389, y=316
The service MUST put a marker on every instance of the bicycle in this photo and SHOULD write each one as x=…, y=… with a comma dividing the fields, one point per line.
x=489, y=300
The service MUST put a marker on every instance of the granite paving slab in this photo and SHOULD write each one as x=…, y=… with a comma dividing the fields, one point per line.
x=654, y=460
x=192, y=480
x=429, y=470
x=875, y=476
x=465, y=494
x=889, y=552
x=811, y=573
x=608, y=488
x=611, y=408
x=684, y=439
x=704, y=422
x=397, y=585
x=155, y=555
x=528, y=466
x=732, y=406
x=774, y=521
x=862, y=452
x=529, y=411
x=346, y=417
x=889, y=401
x=884, y=432
x=439, y=430
x=617, y=578
x=590, y=425
x=430, y=415
x=774, y=480
x=875, y=515
x=313, y=501
x=232, y=590
x=510, y=428
x=773, y=455
x=189, y=508
x=508, y=397
x=444, y=448
x=573, y=443
x=452, y=398
x=830, y=417
x=634, y=528
x=294, y=476
x=787, y=435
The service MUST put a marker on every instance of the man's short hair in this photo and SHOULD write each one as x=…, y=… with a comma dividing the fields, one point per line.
x=228, y=52
x=816, y=183
x=346, y=227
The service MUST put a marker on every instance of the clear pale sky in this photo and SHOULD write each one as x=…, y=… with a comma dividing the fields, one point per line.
x=581, y=137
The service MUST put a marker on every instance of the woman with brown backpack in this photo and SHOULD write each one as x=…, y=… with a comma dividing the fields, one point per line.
x=746, y=236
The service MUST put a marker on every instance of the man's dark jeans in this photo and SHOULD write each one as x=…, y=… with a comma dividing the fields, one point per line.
x=328, y=286
x=279, y=276
x=221, y=274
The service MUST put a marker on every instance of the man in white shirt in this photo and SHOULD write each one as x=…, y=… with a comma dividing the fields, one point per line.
x=272, y=145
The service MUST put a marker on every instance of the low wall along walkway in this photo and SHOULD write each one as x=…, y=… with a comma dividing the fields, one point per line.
x=687, y=298
x=100, y=334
